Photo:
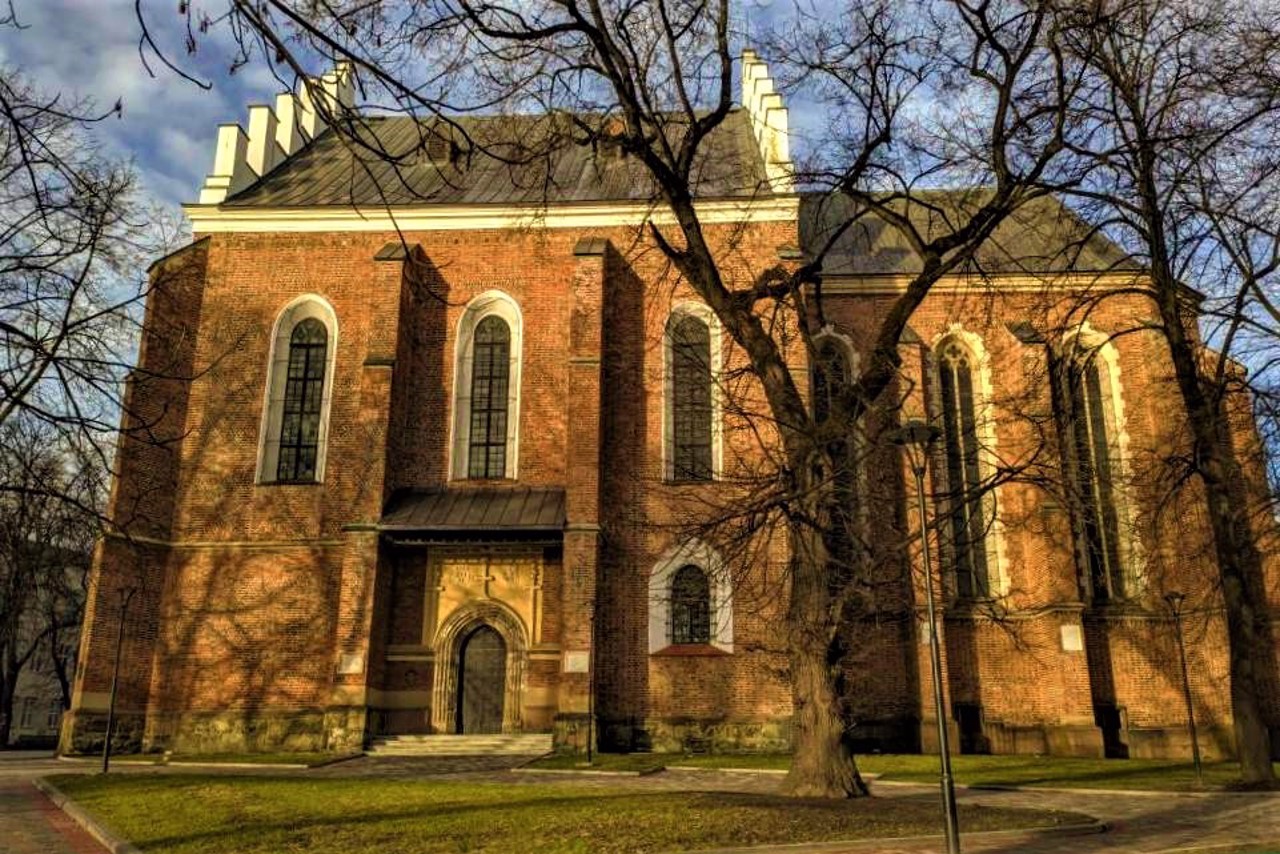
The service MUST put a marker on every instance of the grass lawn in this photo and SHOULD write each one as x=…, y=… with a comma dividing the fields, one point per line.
x=1154, y=774
x=202, y=814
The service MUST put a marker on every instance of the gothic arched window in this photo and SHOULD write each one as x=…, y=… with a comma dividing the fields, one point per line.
x=691, y=400
x=1094, y=470
x=964, y=480
x=690, y=606
x=490, y=380
x=486, y=390
x=299, y=387
x=303, y=403
x=830, y=373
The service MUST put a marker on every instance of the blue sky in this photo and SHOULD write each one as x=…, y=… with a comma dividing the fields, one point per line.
x=89, y=48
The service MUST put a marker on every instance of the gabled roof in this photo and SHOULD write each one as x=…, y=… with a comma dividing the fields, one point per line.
x=1043, y=236
x=500, y=170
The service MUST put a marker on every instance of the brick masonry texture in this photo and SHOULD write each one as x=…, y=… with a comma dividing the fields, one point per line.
x=272, y=616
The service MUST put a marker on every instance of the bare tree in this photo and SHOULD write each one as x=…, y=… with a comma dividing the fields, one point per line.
x=1178, y=127
x=74, y=242
x=48, y=524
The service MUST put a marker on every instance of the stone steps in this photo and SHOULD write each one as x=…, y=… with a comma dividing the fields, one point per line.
x=516, y=744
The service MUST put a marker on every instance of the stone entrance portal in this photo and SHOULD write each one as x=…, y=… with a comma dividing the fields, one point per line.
x=482, y=676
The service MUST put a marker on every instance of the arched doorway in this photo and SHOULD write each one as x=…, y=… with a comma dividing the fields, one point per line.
x=482, y=680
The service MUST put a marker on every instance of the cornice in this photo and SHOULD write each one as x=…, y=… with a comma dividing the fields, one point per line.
x=214, y=219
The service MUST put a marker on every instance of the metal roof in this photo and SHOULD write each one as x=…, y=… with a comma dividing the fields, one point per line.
x=469, y=510
x=513, y=160
x=1043, y=236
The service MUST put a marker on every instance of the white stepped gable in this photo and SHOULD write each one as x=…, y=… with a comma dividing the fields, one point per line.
x=241, y=158
x=769, y=121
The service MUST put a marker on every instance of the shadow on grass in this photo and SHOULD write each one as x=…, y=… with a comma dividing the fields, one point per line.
x=257, y=814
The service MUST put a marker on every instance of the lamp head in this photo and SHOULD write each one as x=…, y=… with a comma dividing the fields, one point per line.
x=915, y=437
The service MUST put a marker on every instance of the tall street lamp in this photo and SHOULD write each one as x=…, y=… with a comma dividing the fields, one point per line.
x=126, y=594
x=915, y=438
x=1176, y=600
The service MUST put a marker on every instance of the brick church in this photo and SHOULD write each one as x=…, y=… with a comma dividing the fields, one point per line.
x=447, y=420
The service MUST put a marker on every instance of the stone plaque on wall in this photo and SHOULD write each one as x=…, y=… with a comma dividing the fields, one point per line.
x=578, y=661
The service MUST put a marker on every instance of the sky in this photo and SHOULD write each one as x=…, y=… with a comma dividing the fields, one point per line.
x=89, y=48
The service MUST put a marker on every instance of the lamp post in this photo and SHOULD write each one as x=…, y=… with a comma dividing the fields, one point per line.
x=126, y=593
x=915, y=438
x=1176, y=600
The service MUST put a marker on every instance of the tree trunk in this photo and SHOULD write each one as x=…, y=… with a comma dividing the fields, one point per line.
x=1234, y=547
x=822, y=762
x=1238, y=560
x=7, y=688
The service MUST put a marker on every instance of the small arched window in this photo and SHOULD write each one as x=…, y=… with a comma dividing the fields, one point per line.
x=1094, y=469
x=490, y=381
x=960, y=431
x=299, y=389
x=692, y=452
x=303, y=403
x=690, y=606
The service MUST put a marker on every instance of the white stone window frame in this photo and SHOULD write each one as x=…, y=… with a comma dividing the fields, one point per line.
x=1083, y=339
x=491, y=303
x=852, y=358
x=663, y=575
x=702, y=312
x=995, y=542
x=304, y=307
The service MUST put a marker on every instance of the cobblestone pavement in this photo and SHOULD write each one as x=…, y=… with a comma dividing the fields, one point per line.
x=1138, y=823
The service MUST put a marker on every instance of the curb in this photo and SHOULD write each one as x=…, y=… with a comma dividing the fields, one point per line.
x=704, y=769
x=587, y=772
x=336, y=760
x=266, y=766
x=840, y=846
x=1142, y=793
x=105, y=836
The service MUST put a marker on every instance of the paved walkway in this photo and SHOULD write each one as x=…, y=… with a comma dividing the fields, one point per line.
x=1139, y=823
x=29, y=822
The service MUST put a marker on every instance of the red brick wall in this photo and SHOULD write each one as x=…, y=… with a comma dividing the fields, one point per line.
x=264, y=590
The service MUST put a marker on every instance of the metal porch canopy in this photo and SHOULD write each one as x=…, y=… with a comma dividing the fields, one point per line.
x=485, y=514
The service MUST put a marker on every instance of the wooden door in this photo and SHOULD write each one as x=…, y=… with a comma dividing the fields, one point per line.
x=482, y=678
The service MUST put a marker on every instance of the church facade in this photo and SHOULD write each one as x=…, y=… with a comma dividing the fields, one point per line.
x=429, y=447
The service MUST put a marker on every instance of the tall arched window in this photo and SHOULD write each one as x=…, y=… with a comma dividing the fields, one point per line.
x=303, y=403
x=486, y=403
x=964, y=478
x=830, y=373
x=299, y=389
x=490, y=379
x=692, y=452
x=1095, y=474
x=690, y=606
